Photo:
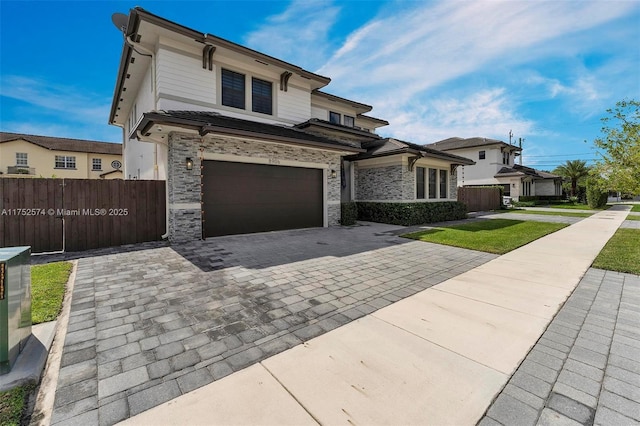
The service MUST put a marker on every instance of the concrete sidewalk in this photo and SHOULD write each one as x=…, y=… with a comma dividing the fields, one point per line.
x=438, y=357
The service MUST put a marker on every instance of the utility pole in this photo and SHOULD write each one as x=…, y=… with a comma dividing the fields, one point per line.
x=510, y=136
x=520, y=144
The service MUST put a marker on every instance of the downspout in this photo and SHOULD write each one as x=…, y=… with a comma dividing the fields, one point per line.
x=166, y=181
x=154, y=93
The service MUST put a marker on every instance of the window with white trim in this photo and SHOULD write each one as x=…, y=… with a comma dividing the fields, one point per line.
x=261, y=96
x=65, y=162
x=21, y=159
x=481, y=155
x=96, y=164
x=349, y=121
x=444, y=183
x=334, y=117
x=233, y=89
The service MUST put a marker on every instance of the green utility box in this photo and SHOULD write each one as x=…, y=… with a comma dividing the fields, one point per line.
x=15, y=304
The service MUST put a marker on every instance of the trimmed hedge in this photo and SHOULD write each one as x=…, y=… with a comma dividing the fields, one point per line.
x=348, y=214
x=408, y=214
x=540, y=198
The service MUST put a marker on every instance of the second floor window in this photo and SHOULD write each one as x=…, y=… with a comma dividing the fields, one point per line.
x=349, y=121
x=481, y=155
x=65, y=162
x=233, y=89
x=21, y=159
x=261, y=96
x=96, y=164
x=505, y=158
x=334, y=117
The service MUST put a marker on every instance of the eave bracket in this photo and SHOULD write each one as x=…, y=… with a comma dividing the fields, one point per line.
x=284, y=80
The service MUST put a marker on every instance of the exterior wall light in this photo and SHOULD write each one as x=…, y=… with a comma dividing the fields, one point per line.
x=333, y=174
x=189, y=163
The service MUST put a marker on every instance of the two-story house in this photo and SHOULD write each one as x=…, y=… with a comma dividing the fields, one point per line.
x=45, y=156
x=248, y=143
x=495, y=164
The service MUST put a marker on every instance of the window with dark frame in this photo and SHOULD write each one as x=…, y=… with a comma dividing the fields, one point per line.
x=444, y=183
x=420, y=181
x=21, y=159
x=233, y=89
x=349, y=121
x=334, y=117
x=505, y=158
x=65, y=162
x=481, y=155
x=261, y=96
x=96, y=164
x=433, y=183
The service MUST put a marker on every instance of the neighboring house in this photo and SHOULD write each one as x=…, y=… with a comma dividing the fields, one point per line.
x=43, y=156
x=495, y=165
x=249, y=143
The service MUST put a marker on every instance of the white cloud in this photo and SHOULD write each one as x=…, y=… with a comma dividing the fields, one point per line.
x=434, y=43
x=59, y=99
x=299, y=35
x=412, y=64
x=486, y=113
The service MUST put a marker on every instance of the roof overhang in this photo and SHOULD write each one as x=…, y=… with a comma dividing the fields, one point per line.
x=359, y=107
x=314, y=122
x=149, y=120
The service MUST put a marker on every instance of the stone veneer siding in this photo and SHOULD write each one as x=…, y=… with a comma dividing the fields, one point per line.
x=379, y=183
x=392, y=183
x=184, y=185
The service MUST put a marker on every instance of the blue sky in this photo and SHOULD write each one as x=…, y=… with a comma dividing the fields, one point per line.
x=546, y=70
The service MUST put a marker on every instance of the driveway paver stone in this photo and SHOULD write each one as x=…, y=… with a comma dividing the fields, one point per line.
x=149, y=325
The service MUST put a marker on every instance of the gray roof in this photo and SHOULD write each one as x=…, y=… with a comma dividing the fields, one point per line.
x=391, y=146
x=211, y=122
x=518, y=170
x=460, y=143
x=65, y=144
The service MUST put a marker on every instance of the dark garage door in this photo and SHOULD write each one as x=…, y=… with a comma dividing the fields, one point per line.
x=241, y=198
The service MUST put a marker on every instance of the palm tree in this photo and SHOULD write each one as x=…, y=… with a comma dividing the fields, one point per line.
x=574, y=170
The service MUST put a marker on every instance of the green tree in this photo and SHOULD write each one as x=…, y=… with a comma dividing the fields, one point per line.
x=619, y=168
x=574, y=170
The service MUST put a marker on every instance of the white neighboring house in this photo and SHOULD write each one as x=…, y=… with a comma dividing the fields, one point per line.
x=495, y=165
x=249, y=143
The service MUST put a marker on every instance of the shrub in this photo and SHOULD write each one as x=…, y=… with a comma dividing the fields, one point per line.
x=408, y=214
x=348, y=214
x=524, y=203
x=596, y=198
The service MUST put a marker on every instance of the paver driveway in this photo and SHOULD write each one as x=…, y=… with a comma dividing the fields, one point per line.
x=147, y=326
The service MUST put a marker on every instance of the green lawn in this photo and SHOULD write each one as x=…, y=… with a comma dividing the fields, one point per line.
x=492, y=235
x=636, y=208
x=48, y=284
x=47, y=290
x=633, y=217
x=12, y=404
x=574, y=206
x=622, y=252
x=560, y=213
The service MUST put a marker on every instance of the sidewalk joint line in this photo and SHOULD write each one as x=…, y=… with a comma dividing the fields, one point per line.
x=292, y=395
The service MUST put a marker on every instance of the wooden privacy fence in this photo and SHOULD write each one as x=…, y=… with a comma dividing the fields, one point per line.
x=479, y=198
x=80, y=214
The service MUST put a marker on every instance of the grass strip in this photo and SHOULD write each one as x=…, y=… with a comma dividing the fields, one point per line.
x=545, y=213
x=12, y=404
x=621, y=253
x=497, y=236
x=47, y=290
